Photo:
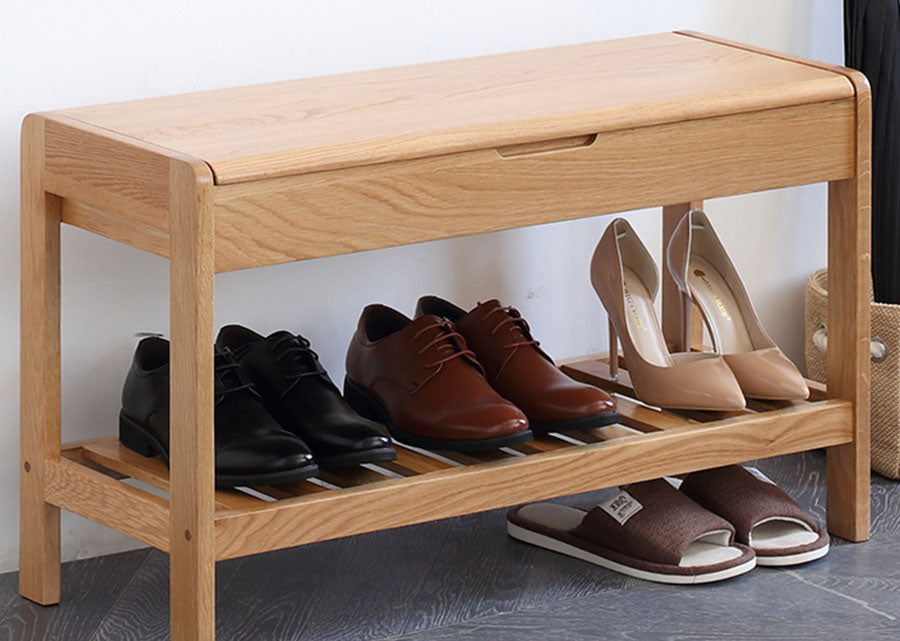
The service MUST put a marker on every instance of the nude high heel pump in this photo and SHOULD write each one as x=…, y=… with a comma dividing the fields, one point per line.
x=626, y=280
x=704, y=273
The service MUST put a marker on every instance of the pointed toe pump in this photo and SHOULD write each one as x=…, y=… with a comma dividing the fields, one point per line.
x=626, y=280
x=705, y=275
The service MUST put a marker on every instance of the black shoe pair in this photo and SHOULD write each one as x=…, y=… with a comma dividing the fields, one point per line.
x=278, y=416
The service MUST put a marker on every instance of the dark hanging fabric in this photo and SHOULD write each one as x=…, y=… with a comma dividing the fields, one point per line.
x=872, y=45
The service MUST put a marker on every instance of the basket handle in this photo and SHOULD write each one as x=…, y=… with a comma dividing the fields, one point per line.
x=877, y=348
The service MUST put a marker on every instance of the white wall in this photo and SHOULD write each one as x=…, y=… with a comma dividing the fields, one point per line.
x=62, y=54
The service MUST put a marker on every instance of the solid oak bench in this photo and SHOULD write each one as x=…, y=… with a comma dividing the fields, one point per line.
x=238, y=178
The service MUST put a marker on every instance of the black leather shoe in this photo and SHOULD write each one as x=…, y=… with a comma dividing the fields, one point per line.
x=251, y=447
x=302, y=397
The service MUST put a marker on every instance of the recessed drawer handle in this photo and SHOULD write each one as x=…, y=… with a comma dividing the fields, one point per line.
x=543, y=146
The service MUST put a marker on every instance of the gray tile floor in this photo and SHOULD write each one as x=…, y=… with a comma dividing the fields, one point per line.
x=463, y=579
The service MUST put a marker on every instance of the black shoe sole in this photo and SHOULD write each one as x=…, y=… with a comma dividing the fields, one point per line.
x=350, y=459
x=542, y=428
x=370, y=408
x=138, y=438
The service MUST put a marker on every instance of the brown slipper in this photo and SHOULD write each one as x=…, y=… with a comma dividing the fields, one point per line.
x=648, y=530
x=764, y=517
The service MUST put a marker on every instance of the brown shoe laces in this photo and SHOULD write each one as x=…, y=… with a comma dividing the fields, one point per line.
x=518, y=326
x=449, y=342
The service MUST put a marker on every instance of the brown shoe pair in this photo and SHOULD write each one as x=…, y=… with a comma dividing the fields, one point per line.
x=452, y=380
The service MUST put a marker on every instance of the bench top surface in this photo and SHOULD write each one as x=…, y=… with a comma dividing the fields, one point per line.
x=314, y=124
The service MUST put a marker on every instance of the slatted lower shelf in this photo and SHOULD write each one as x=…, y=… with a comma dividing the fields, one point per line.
x=421, y=486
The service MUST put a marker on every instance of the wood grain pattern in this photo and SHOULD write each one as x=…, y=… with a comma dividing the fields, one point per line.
x=848, y=365
x=192, y=464
x=287, y=219
x=849, y=242
x=648, y=419
x=402, y=156
x=288, y=490
x=397, y=502
x=91, y=587
x=119, y=228
x=39, y=430
x=409, y=462
x=386, y=115
x=95, y=496
x=541, y=444
x=465, y=574
x=108, y=452
x=350, y=477
x=107, y=170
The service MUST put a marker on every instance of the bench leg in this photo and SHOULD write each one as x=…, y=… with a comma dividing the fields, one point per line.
x=40, y=373
x=849, y=275
x=192, y=491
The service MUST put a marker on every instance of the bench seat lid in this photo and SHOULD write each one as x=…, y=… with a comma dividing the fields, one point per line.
x=315, y=124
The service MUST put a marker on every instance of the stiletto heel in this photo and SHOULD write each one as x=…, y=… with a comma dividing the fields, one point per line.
x=626, y=280
x=613, y=352
x=703, y=271
x=686, y=310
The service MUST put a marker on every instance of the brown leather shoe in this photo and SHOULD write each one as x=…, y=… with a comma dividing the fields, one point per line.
x=521, y=371
x=419, y=378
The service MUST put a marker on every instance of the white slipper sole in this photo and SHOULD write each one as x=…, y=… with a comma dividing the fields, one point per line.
x=549, y=543
x=792, y=559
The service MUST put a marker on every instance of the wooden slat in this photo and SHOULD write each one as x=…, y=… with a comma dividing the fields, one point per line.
x=586, y=436
x=352, y=476
x=541, y=444
x=110, y=453
x=647, y=419
x=397, y=502
x=610, y=432
x=411, y=463
x=235, y=500
x=817, y=391
x=307, y=216
x=474, y=458
x=75, y=454
x=606, y=433
x=134, y=512
x=290, y=490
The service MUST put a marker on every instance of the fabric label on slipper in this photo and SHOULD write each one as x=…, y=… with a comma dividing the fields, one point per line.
x=760, y=476
x=621, y=507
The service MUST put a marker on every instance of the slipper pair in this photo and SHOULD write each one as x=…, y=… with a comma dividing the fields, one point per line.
x=721, y=523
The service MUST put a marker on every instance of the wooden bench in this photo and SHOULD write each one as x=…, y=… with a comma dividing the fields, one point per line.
x=238, y=178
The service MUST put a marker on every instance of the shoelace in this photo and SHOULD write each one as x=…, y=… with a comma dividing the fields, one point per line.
x=237, y=382
x=449, y=342
x=299, y=350
x=514, y=320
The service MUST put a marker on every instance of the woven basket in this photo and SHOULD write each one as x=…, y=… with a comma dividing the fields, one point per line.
x=885, y=378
